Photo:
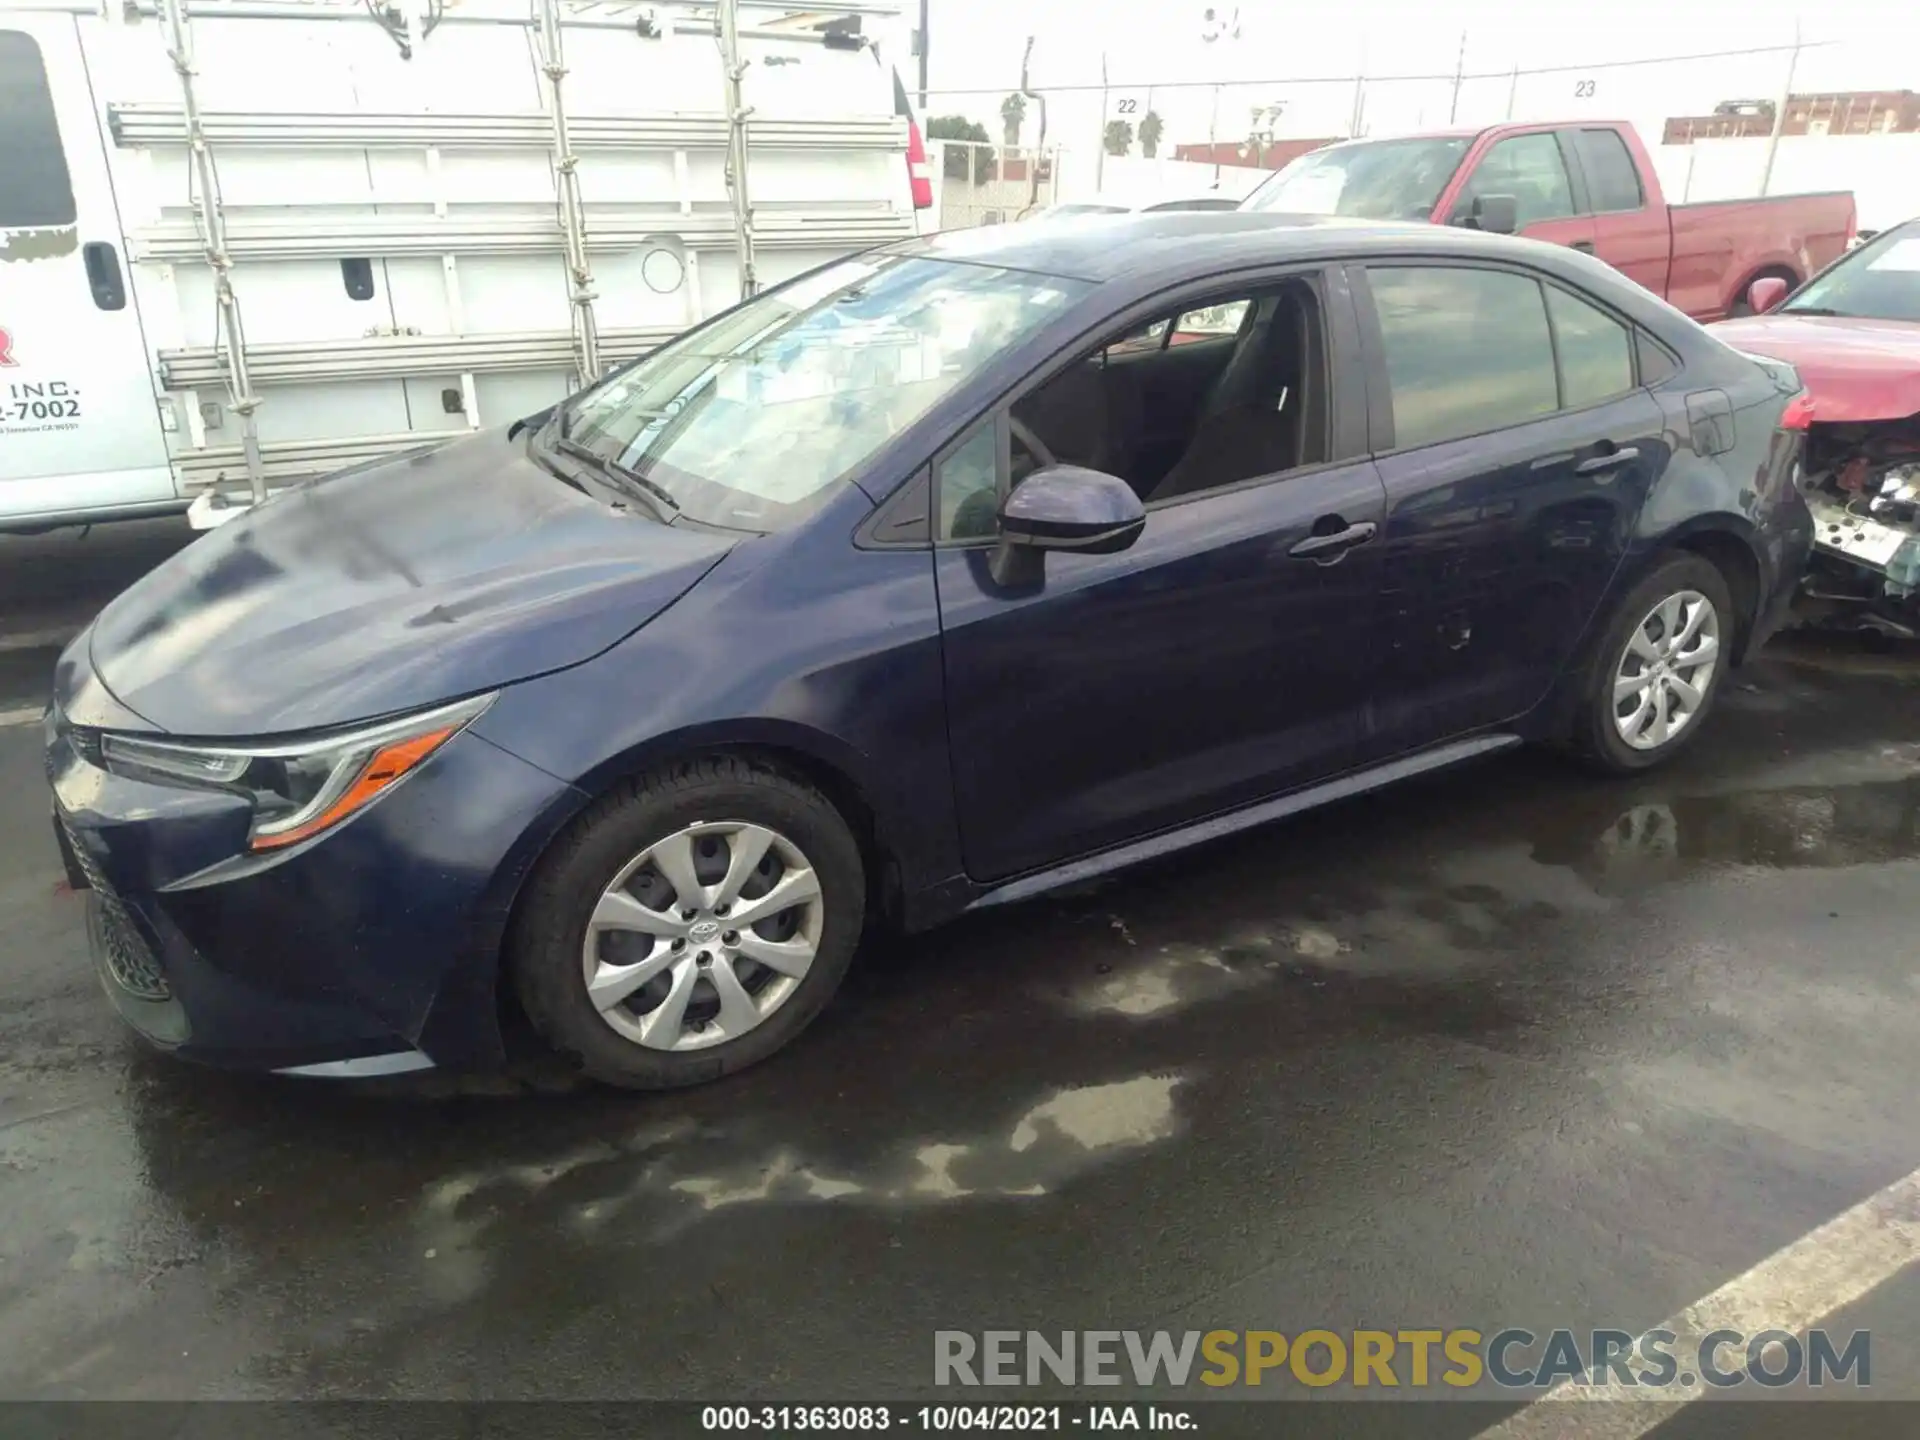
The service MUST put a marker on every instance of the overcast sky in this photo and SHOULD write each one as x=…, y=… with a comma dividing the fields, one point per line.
x=1283, y=43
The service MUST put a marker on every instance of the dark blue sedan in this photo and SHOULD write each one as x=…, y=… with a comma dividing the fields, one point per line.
x=928, y=581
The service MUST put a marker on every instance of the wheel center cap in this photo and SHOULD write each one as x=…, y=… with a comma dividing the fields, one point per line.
x=703, y=932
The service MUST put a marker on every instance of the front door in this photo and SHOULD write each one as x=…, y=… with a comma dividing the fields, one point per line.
x=79, y=425
x=1203, y=668
x=1533, y=169
x=1522, y=449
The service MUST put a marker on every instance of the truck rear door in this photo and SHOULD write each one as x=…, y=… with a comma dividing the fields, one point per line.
x=1631, y=231
x=79, y=425
x=1532, y=168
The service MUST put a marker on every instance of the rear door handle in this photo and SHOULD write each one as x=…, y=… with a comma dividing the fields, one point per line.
x=1335, y=543
x=1612, y=460
x=103, y=275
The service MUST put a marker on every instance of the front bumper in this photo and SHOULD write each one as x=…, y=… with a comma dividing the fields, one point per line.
x=370, y=949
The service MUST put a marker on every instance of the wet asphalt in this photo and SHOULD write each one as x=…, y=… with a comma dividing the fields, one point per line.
x=1505, y=1046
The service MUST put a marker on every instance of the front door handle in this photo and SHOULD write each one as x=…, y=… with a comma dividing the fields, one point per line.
x=103, y=275
x=1585, y=247
x=1335, y=542
x=1612, y=460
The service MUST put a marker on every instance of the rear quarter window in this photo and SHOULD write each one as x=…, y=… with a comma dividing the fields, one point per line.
x=35, y=190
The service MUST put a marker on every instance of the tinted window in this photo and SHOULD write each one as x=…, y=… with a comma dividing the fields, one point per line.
x=1596, y=351
x=969, y=485
x=1467, y=351
x=1612, y=182
x=35, y=190
x=1655, y=363
x=1529, y=168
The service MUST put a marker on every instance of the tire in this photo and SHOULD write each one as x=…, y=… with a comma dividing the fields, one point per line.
x=1600, y=731
x=649, y=955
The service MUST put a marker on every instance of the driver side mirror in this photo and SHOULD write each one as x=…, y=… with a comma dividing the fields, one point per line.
x=1064, y=507
x=1495, y=214
x=1766, y=293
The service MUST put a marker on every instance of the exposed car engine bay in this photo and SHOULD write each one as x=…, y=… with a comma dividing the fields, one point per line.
x=1862, y=482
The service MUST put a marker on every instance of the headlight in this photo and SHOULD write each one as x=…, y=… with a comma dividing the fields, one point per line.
x=300, y=788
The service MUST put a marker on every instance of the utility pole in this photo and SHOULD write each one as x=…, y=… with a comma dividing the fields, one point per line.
x=1780, y=111
x=1513, y=89
x=923, y=57
x=1100, y=155
x=1359, y=93
x=1459, y=74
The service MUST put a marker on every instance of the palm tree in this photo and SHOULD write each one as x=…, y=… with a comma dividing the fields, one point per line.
x=1119, y=137
x=1150, y=130
x=1013, y=113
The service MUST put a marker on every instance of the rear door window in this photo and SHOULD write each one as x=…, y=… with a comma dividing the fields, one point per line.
x=1612, y=182
x=35, y=189
x=1467, y=351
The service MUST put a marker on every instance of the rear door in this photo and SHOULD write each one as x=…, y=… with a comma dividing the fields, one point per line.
x=1628, y=233
x=1517, y=449
x=79, y=423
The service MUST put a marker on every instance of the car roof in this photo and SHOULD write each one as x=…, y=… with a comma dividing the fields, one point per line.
x=1176, y=245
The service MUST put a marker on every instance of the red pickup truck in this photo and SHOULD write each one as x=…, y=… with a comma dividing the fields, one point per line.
x=1588, y=184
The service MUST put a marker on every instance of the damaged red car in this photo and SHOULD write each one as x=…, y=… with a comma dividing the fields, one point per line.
x=1853, y=334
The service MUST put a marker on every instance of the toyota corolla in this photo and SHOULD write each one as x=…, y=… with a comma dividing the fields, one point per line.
x=925, y=582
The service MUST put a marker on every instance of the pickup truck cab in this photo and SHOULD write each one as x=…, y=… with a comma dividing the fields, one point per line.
x=1589, y=185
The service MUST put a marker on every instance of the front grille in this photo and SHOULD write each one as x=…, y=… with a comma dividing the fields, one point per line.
x=129, y=959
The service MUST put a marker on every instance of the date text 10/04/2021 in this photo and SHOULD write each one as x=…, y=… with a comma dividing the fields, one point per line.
x=941, y=1419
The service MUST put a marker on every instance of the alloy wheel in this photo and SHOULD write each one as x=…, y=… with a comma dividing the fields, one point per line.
x=703, y=935
x=1666, y=670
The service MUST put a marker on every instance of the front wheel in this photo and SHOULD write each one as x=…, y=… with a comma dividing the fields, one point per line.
x=1657, y=669
x=689, y=925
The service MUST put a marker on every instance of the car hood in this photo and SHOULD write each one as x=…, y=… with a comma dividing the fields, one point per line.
x=388, y=588
x=1854, y=370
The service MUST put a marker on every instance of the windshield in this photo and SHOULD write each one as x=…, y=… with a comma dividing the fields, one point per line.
x=1380, y=180
x=753, y=421
x=1879, y=281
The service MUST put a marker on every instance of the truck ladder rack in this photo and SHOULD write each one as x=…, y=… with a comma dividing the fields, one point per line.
x=146, y=124
x=248, y=238
x=398, y=356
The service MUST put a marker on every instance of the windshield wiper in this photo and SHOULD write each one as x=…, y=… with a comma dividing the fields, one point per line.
x=1813, y=310
x=657, y=499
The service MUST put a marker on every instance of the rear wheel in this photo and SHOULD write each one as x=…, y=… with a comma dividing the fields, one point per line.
x=689, y=925
x=1657, y=669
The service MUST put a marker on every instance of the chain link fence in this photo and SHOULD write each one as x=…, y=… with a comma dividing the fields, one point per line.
x=981, y=184
x=1701, y=96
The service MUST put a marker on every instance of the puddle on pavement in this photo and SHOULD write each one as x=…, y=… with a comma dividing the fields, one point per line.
x=1409, y=929
x=1786, y=828
x=669, y=1176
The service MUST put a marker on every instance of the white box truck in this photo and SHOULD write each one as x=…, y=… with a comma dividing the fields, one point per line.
x=246, y=242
